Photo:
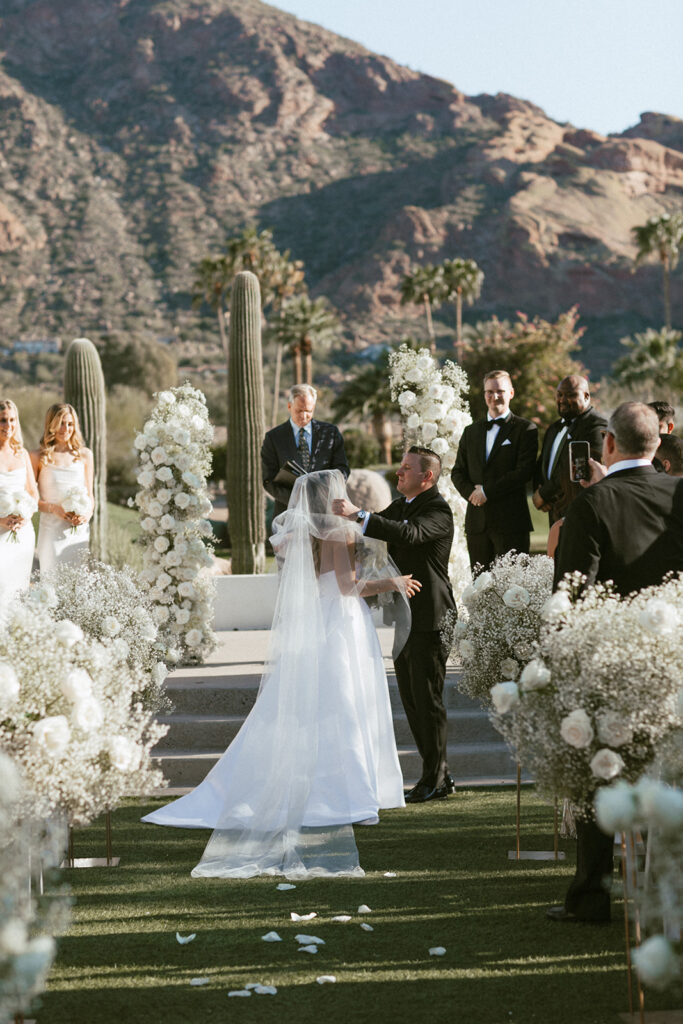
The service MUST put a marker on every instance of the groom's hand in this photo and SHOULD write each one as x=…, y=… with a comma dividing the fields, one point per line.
x=343, y=507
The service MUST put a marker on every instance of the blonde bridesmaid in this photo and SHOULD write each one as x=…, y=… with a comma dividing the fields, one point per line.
x=17, y=488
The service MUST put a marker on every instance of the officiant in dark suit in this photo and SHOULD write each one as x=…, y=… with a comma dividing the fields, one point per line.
x=418, y=529
x=312, y=444
x=578, y=421
x=495, y=461
x=628, y=528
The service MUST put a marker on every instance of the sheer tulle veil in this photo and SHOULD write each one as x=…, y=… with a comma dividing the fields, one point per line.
x=260, y=831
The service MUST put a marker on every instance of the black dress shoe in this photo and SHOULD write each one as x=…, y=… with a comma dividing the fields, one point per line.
x=561, y=914
x=423, y=792
x=449, y=782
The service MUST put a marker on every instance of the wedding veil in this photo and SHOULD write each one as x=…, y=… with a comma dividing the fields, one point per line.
x=261, y=828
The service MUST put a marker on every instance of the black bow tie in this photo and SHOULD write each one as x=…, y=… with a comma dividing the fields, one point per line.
x=566, y=423
x=496, y=423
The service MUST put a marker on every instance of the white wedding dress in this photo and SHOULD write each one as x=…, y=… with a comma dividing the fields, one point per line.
x=317, y=751
x=58, y=541
x=16, y=555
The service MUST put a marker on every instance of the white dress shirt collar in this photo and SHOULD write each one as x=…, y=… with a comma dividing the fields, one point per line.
x=628, y=464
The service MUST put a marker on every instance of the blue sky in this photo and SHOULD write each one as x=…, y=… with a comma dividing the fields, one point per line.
x=596, y=63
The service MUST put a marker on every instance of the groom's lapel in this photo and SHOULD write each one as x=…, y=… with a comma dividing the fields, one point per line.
x=503, y=434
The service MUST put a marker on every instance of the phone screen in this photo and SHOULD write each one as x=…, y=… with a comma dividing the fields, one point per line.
x=579, y=454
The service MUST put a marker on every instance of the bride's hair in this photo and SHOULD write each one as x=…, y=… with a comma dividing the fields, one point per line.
x=16, y=441
x=53, y=417
x=314, y=494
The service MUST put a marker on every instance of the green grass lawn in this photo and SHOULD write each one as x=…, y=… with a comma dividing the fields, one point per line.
x=455, y=887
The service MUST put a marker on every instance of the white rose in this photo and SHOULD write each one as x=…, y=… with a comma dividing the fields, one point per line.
x=163, y=580
x=466, y=648
x=468, y=594
x=77, y=685
x=13, y=937
x=123, y=753
x=181, y=436
x=509, y=668
x=423, y=361
x=68, y=633
x=182, y=616
x=516, y=596
x=576, y=729
x=659, y=617
x=206, y=530
x=406, y=399
x=436, y=411
x=187, y=590
x=164, y=474
x=159, y=673
x=180, y=546
x=535, y=676
x=660, y=804
x=44, y=595
x=656, y=962
x=448, y=460
x=53, y=734
x=159, y=455
x=193, y=638
x=167, y=523
x=439, y=446
x=121, y=648
x=9, y=684
x=110, y=625
x=140, y=442
x=145, y=478
x=166, y=398
x=414, y=375
x=613, y=730
x=615, y=807
x=148, y=524
x=161, y=614
x=172, y=559
x=483, y=580
x=155, y=508
x=191, y=479
x=413, y=421
x=182, y=500
x=556, y=606
x=161, y=544
x=164, y=495
x=87, y=714
x=606, y=764
x=429, y=431
x=505, y=696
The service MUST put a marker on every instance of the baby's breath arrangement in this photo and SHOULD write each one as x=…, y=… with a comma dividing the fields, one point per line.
x=27, y=922
x=600, y=698
x=435, y=413
x=109, y=605
x=175, y=459
x=68, y=718
x=500, y=635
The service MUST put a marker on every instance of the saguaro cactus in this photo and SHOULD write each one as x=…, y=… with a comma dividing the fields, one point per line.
x=84, y=389
x=245, y=428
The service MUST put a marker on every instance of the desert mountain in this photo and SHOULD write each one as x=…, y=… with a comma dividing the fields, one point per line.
x=136, y=134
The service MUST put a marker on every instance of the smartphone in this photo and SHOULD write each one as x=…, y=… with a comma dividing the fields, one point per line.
x=579, y=454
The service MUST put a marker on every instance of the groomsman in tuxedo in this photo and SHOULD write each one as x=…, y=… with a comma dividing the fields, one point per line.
x=418, y=529
x=578, y=422
x=627, y=527
x=495, y=461
x=311, y=443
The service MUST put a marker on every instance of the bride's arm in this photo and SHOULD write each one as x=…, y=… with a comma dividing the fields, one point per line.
x=345, y=571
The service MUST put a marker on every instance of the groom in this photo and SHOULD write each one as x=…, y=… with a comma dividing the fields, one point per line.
x=418, y=529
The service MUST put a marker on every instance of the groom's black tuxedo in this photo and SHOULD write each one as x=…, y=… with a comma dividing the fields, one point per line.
x=419, y=535
x=279, y=446
x=627, y=528
x=503, y=522
x=556, y=489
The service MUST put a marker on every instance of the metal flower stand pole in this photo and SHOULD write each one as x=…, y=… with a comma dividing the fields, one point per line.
x=92, y=862
x=518, y=853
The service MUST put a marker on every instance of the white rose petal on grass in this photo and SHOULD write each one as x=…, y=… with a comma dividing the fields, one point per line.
x=390, y=874
x=535, y=676
x=285, y=886
x=516, y=597
x=308, y=940
x=264, y=990
x=326, y=979
x=556, y=606
x=271, y=937
x=613, y=730
x=656, y=962
x=308, y=949
x=242, y=992
x=615, y=807
x=184, y=939
x=576, y=729
x=53, y=734
x=302, y=917
x=366, y=927
x=659, y=617
x=199, y=981
x=364, y=909
x=343, y=918
x=437, y=951
x=505, y=696
x=606, y=764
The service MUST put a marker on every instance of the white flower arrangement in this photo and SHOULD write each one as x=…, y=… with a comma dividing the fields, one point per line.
x=435, y=413
x=498, y=639
x=73, y=711
x=175, y=461
x=602, y=696
x=17, y=503
x=110, y=605
x=27, y=948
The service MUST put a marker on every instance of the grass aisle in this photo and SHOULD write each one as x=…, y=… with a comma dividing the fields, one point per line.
x=120, y=960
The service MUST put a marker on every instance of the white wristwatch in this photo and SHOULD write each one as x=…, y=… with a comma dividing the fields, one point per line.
x=361, y=516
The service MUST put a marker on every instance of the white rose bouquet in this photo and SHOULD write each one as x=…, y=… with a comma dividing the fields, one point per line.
x=175, y=460
x=434, y=409
x=69, y=718
x=599, y=698
x=17, y=503
x=498, y=639
x=76, y=501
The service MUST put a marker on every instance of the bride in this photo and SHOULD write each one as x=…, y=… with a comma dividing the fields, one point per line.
x=17, y=538
x=317, y=751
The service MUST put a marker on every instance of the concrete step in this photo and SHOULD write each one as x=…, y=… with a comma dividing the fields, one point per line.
x=472, y=761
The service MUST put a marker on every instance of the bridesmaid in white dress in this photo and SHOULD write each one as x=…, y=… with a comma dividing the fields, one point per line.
x=17, y=538
x=62, y=464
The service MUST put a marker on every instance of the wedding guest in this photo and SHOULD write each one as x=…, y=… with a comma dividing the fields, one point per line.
x=554, y=490
x=418, y=529
x=628, y=528
x=495, y=461
x=666, y=414
x=312, y=443
x=64, y=470
x=670, y=454
x=17, y=538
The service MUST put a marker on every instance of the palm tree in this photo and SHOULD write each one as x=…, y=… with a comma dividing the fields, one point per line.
x=212, y=284
x=424, y=286
x=462, y=281
x=662, y=236
x=369, y=394
x=303, y=323
x=654, y=362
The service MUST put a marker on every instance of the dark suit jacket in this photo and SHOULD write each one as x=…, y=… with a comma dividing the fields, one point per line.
x=503, y=476
x=627, y=528
x=419, y=536
x=558, y=490
x=327, y=452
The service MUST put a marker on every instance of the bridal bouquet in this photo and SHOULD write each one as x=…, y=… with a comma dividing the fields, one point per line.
x=599, y=698
x=76, y=500
x=68, y=716
x=17, y=503
x=27, y=948
x=435, y=413
x=500, y=635
x=175, y=459
x=110, y=606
